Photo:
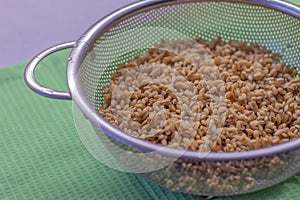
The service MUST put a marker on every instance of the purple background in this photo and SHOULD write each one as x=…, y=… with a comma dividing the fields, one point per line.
x=30, y=26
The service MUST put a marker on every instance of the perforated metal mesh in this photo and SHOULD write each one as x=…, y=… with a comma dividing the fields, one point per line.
x=143, y=29
x=275, y=30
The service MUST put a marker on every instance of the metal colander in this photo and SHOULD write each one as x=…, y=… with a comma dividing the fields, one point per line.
x=132, y=30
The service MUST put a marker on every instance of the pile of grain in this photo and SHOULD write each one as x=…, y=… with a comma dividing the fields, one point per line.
x=205, y=96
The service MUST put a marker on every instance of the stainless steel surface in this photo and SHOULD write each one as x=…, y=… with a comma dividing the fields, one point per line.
x=30, y=77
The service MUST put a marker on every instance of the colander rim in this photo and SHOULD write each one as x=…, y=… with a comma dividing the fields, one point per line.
x=81, y=48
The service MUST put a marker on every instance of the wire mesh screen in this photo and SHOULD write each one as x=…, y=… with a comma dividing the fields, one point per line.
x=132, y=35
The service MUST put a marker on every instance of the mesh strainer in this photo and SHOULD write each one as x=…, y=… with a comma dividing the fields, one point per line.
x=131, y=30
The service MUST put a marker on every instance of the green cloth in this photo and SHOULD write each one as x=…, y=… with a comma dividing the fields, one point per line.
x=42, y=156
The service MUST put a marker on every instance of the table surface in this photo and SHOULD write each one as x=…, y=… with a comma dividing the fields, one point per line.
x=28, y=27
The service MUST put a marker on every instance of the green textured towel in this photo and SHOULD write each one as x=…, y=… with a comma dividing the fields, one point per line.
x=42, y=157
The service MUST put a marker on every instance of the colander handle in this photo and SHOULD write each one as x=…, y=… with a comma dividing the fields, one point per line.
x=30, y=77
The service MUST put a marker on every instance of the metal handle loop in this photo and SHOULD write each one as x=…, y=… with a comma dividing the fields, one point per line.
x=30, y=77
